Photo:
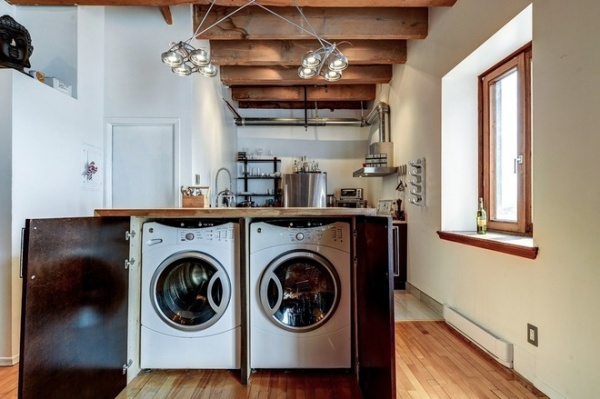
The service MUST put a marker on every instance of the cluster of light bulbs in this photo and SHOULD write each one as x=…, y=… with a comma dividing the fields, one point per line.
x=184, y=59
x=328, y=55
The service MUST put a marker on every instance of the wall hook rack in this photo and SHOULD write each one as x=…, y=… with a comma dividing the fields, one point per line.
x=417, y=182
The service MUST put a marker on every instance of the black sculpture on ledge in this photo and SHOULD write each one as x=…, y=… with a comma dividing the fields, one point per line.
x=15, y=44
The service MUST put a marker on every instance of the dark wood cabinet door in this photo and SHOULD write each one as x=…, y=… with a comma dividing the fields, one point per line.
x=74, y=311
x=375, y=308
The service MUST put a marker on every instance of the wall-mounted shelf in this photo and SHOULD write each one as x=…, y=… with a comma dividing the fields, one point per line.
x=251, y=174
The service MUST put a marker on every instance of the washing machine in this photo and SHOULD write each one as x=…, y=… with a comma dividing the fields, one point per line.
x=300, y=284
x=190, y=305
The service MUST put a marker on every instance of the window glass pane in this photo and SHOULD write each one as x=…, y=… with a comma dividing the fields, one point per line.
x=505, y=147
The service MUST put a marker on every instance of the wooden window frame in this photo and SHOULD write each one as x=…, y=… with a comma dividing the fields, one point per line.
x=521, y=61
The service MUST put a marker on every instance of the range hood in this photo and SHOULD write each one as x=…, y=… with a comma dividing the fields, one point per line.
x=379, y=119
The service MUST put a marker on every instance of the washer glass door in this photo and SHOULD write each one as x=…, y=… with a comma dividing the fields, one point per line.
x=300, y=291
x=190, y=291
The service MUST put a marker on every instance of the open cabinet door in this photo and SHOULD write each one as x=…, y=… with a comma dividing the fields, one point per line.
x=74, y=311
x=375, y=308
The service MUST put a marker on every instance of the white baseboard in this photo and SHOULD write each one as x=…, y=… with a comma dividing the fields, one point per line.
x=9, y=361
x=426, y=299
x=495, y=346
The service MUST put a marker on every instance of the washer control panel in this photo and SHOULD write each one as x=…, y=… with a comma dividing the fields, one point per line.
x=221, y=233
x=156, y=233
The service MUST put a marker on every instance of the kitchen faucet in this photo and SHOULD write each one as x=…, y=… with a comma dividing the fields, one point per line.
x=225, y=195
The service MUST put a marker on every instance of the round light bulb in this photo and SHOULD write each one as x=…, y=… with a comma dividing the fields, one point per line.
x=172, y=58
x=312, y=59
x=338, y=62
x=208, y=70
x=200, y=57
x=306, y=73
x=332, y=76
x=182, y=70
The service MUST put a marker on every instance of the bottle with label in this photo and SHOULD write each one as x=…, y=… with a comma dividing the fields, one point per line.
x=481, y=218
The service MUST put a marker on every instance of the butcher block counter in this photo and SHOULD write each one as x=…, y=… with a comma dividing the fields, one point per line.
x=238, y=212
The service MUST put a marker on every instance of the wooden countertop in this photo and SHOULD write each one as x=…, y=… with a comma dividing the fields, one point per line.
x=237, y=212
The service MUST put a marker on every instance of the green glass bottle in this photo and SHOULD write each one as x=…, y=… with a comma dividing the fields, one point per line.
x=481, y=218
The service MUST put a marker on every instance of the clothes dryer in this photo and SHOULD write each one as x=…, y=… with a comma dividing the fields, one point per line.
x=190, y=305
x=300, y=283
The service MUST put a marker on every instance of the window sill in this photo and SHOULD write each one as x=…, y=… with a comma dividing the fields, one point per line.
x=500, y=242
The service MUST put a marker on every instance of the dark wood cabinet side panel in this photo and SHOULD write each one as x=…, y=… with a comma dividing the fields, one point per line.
x=401, y=279
x=375, y=312
x=74, y=314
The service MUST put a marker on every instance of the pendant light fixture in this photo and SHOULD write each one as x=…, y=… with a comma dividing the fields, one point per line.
x=327, y=61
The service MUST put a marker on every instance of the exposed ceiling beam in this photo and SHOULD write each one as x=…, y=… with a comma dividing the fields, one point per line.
x=259, y=53
x=264, y=76
x=255, y=23
x=296, y=93
x=237, y=3
x=336, y=3
x=166, y=13
x=289, y=53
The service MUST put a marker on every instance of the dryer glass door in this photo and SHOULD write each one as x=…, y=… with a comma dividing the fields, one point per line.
x=300, y=291
x=191, y=291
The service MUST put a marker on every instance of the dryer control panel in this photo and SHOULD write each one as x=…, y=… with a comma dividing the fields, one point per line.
x=334, y=234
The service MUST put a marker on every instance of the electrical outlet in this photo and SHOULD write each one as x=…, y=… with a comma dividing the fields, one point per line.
x=532, y=334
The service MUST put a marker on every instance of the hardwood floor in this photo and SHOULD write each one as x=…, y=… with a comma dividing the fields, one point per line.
x=9, y=378
x=223, y=384
x=432, y=361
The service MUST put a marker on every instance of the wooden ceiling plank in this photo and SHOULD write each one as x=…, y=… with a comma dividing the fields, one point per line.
x=237, y=3
x=333, y=24
x=116, y=3
x=166, y=13
x=296, y=93
x=125, y=3
x=333, y=105
x=289, y=53
x=265, y=76
x=335, y=3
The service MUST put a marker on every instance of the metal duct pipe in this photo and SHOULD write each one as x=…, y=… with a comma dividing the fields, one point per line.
x=300, y=122
x=381, y=114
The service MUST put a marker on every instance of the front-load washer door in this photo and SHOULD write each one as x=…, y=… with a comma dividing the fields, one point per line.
x=190, y=291
x=299, y=291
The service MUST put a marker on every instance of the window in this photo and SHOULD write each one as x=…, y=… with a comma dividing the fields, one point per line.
x=505, y=143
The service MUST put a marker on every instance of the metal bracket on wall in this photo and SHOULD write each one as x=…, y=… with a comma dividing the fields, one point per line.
x=417, y=182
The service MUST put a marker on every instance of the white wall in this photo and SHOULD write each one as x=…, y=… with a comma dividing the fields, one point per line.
x=139, y=85
x=5, y=208
x=56, y=54
x=46, y=132
x=557, y=292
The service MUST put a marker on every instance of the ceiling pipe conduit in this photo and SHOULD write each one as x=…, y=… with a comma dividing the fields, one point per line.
x=379, y=114
x=300, y=122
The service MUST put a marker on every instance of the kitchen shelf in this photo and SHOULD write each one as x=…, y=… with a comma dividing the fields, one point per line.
x=274, y=166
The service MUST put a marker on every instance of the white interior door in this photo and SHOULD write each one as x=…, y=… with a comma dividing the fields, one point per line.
x=142, y=165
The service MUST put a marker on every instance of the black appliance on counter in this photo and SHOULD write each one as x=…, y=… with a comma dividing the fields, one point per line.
x=351, y=198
